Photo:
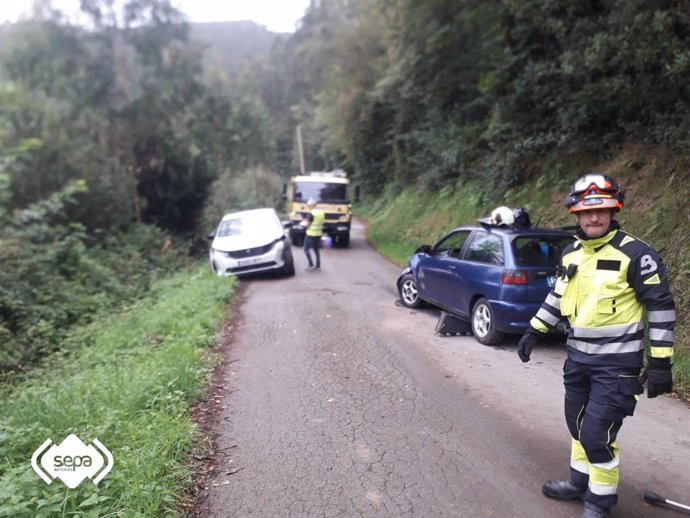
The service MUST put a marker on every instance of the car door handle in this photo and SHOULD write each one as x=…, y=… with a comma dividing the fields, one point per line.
x=451, y=267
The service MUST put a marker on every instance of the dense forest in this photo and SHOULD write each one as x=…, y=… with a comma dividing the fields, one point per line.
x=121, y=142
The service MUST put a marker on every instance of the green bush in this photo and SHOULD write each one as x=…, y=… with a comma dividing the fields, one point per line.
x=55, y=275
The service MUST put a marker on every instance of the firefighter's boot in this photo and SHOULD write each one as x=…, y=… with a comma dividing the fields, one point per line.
x=563, y=490
x=594, y=511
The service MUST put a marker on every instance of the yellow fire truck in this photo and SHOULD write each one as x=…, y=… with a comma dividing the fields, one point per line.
x=331, y=191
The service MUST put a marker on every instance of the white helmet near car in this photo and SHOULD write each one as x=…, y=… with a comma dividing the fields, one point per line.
x=502, y=216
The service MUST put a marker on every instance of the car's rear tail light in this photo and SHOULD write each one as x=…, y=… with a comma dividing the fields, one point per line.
x=514, y=277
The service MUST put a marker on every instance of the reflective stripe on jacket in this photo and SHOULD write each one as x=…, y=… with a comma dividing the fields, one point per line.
x=315, y=228
x=618, y=278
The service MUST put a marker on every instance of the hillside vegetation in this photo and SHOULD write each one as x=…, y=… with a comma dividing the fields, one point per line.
x=427, y=93
x=656, y=211
x=233, y=47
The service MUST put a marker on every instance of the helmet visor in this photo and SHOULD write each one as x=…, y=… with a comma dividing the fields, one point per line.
x=601, y=184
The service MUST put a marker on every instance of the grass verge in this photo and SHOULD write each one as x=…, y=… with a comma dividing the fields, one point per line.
x=128, y=382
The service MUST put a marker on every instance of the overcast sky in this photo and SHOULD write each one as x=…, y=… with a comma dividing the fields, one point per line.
x=276, y=15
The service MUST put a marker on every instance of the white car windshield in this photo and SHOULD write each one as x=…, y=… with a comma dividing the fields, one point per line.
x=247, y=224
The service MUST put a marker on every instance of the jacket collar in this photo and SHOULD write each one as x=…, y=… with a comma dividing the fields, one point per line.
x=596, y=243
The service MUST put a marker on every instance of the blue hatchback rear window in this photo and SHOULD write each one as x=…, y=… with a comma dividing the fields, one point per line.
x=540, y=250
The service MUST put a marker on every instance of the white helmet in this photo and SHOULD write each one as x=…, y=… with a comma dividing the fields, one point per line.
x=311, y=202
x=502, y=216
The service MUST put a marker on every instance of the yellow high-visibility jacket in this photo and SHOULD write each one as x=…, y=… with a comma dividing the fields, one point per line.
x=618, y=280
x=315, y=228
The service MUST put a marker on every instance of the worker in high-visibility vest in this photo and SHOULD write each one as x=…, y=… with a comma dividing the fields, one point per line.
x=314, y=230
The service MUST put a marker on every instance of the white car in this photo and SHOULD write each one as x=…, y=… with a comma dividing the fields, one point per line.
x=251, y=241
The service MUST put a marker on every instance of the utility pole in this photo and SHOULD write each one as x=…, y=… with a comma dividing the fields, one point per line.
x=300, y=149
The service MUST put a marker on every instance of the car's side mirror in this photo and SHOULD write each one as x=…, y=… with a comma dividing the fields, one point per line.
x=211, y=236
x=357, y=194
x=424, y=249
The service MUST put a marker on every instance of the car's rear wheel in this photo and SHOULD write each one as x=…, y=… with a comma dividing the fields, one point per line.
x=484, y=324
x=409, y=296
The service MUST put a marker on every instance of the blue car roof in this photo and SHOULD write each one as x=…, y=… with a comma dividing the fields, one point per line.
x=517, y=231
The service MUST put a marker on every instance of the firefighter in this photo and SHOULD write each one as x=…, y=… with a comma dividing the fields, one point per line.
x=607, y=282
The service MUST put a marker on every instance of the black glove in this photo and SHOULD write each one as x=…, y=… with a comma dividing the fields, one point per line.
x=659, y=376
x=528, y=340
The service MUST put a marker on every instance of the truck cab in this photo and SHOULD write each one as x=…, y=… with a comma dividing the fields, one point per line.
x=331, y=190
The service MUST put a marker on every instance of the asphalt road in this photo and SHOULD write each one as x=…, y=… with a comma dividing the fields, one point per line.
x=340, y=403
